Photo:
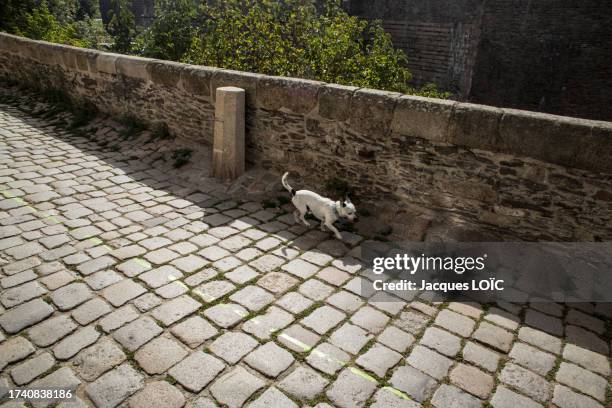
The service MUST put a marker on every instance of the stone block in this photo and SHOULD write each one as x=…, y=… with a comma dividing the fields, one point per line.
x=563, y=397
x=475, y=126
x=7, y=44
x=229, y=142
x=595, y=151
x=46, y=53
x=296, y=95
x=86, y=60
x=303, y=383
x=350, y=389
x=582, y=380
x=245, y=80
x=371, y=111
x=413, y=382
x=270, y=359
x=25, y=48
x=197, y=80
x=426, y=118
x=25, y=315
x=555, y=139
x=197, y=370
x=504, y=398
x=133, y=67
x=159, y=393
x=106, y=62
x=335, y=101
x=115, y=386
x=165, y=73
x=98, y=359
x=67, y=56
x=529, y=383
x=235, y=387
x=450, y=396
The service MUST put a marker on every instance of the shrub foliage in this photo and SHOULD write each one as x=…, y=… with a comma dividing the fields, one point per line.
x=313, y=39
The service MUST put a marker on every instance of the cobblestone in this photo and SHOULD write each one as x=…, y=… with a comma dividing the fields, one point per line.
x=160, y=394
x=98, y=359
x=379, y=359
x=323, y=319
x=481, y=356
x=137, y=333
x=450, y=396
x=20, y=294
x=532, y=358
x=442, y=341
x=115, y=386
x=52, y=330
x=157, y=356
x=303, y=383
x=235, y=387
x=413, y=382
x=429, y=362
x=582, y=380
x=350, y=390
x=269, y=359
x=194, y=331
x=25, y=315
x=32, y=368
x=494, y=336
x=122, y=292
x=505, y=398
x=90, y=311
x=154, y=286
x=472, y=380
x=526, y=381
x=175, y=309
x=564, y=397
x=350, y=338
x=587, y=359
x=118, y=318
x=14, y=349
x=75, y=342
x=62, y=378
x=273, y=398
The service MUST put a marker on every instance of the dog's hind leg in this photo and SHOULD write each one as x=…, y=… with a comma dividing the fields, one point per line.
x=323, y=226
x=296, y=216
x=302, y=215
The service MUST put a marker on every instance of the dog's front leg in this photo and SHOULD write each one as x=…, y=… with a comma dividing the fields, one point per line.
x=302, y=217
x=329, y=224
x=323, y=225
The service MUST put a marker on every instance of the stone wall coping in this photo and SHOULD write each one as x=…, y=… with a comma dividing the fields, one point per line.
x=562, y=140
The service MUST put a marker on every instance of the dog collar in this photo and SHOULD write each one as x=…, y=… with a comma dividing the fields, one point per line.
x=336, y=212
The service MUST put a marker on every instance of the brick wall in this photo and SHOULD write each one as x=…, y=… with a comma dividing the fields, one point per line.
x=546, y=55
x=538, y=175
x=439, y=37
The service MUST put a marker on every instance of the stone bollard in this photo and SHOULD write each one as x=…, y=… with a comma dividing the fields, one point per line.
x=228, y=145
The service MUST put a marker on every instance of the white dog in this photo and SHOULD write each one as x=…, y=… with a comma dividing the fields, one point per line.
x=326, y=210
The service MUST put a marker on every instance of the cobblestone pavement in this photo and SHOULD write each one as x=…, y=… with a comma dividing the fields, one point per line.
x=143, y=291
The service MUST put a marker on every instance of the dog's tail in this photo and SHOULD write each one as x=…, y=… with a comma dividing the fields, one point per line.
x=286, y=185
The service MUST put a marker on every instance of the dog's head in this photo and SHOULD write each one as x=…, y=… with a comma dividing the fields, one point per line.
x=347, y=210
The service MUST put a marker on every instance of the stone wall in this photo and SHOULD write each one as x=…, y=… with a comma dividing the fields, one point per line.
x=541, y=176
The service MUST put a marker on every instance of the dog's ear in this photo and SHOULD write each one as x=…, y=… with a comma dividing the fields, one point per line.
x=347, y=199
